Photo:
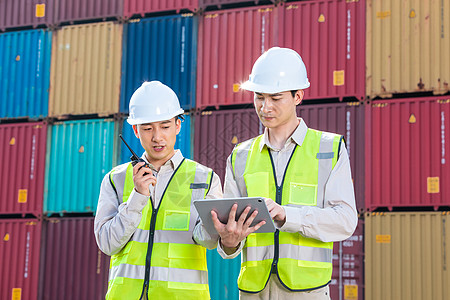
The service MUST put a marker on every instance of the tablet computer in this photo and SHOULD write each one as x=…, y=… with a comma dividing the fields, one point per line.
x=223, y=206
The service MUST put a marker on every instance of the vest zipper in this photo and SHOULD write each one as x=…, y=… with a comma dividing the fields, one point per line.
x=278, y=199
x=276, y=236
x=148, y=258
x=150, y=248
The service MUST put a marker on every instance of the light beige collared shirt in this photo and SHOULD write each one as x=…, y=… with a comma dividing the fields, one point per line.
x=336, y=221
x=116, y=221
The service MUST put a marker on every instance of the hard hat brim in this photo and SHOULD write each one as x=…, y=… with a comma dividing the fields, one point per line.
x=259, y=88
x=159, y=118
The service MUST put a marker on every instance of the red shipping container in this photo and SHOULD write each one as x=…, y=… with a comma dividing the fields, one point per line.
x=347, y=281
x=229, y=42
x=25, y=13
x=77, y=10
x=329, y=35
x=407, y=144
x=19, y=250
x=141, y=7
x=217, y=132
x=346, y=119
x=72, y=266
x=22, y=168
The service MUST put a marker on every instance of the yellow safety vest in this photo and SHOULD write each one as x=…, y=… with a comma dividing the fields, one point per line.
x=301, y=263
x=161, y=256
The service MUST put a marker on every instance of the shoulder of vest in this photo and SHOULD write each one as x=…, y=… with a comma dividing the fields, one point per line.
x=326, y=134
x=245, y=145
x=198, y=165
x=120, y=168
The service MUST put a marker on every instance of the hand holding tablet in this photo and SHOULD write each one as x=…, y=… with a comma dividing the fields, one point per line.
x=223, y=207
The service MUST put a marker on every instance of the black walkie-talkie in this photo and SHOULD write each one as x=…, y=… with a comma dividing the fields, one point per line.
x=134, y=158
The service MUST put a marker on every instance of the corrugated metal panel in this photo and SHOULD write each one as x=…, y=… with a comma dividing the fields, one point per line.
x=22, y=152
x=222, y=276
x=24, y=73
x=406, y=255
x=25, y=13
x=164, y=49
x=72, y=267
x=329, y=35
x=183, y=141
x=407, y=47
x=141, y=7
x=407, y=147
x=230, y=41
x=85, y=70
x=217, y=132
x=19, y=250
x=76, y=10
x=347, y=281
x=348, y=120
x=212, y=3
x=79, y=154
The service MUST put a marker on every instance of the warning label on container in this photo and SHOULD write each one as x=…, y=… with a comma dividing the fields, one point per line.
x=383, y=238
x=40, y=10
x=6, y=237
x=16, y=293
x=22, y=196
x=351, y=292
x=236, y=87
x=383, y=14
x=433, y=185
x=12, y=141
x=338, y=78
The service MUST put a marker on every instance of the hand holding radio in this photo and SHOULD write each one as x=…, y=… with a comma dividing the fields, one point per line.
x=142, y=174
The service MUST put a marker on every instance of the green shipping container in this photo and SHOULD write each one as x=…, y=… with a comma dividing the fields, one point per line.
x=222, y=276
x=79, y=154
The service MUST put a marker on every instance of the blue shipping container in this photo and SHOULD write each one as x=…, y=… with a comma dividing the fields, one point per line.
x=222, y=276
x=183, y=141
x=25, y=73
x=164, y=49
x=79, y=155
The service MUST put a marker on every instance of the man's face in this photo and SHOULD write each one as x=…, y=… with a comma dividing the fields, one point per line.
x=158, y=139
x=275, y=110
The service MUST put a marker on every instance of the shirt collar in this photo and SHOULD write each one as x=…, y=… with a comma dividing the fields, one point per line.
x=173, y=162
x=298, y=136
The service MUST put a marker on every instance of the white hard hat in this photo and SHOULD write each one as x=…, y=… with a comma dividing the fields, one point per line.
x=153, y=102
x=277, y=70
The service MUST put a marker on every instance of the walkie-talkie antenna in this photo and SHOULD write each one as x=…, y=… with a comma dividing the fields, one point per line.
x=134, y=156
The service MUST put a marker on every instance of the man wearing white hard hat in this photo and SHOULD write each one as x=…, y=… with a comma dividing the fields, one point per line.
x=145, y=217
x=304, y=175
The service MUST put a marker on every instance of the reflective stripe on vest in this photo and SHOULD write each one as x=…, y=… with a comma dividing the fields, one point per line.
x=302, y=263
x=178, y=265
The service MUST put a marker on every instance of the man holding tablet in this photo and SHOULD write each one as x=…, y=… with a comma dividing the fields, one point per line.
x=304, y=176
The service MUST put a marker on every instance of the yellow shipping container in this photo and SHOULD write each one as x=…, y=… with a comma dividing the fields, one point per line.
x=407, y=46
x=407, y=256
x=86, y=69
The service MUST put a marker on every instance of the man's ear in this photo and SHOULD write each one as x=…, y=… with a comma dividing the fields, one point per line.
x=135, y=129
x=299, y=97
x=177, y=125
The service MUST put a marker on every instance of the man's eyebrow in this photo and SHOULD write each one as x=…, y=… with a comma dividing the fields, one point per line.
x=275, y=95
x=165, y=122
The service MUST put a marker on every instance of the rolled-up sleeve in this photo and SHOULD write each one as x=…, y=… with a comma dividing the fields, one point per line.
x=337, y=220
x=200, y=235
x=116, y=221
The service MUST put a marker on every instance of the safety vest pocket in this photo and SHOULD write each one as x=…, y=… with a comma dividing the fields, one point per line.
x=302, y=194
x=176, y=220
